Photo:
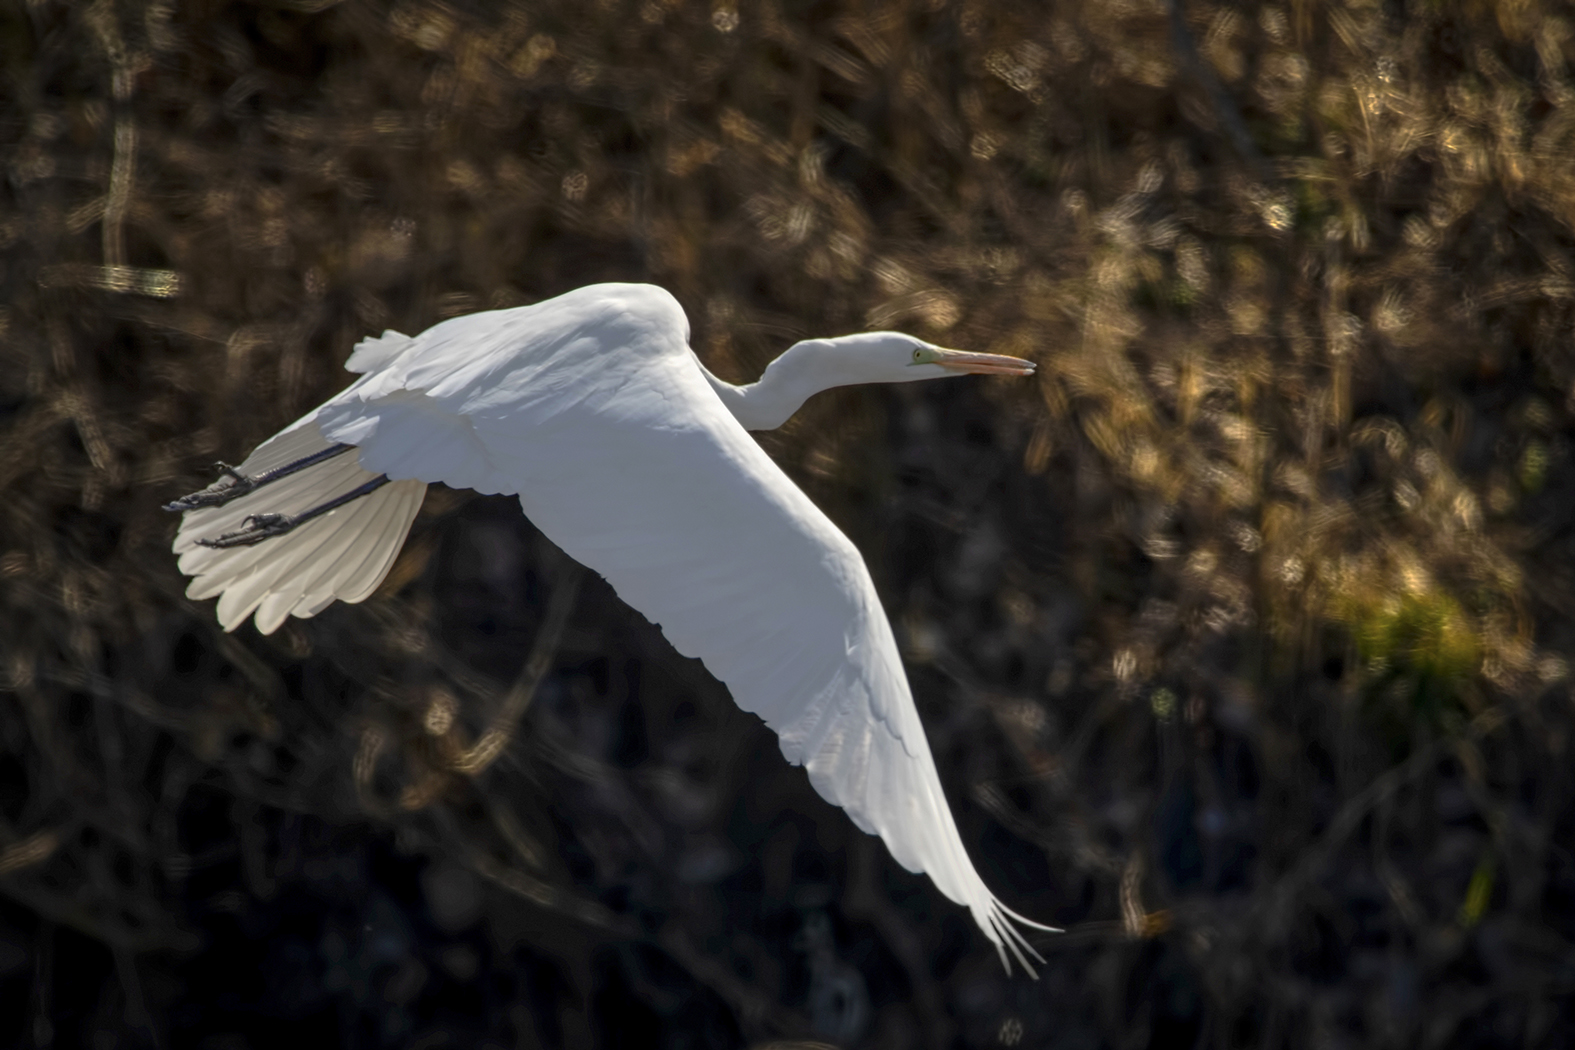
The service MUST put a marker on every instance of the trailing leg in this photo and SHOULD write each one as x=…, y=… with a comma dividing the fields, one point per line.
x=258, y=527
x=232, y=484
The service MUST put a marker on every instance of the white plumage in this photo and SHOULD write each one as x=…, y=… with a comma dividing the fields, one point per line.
x=630, y=456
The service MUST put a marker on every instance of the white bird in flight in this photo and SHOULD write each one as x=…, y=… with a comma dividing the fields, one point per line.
x=635, y=460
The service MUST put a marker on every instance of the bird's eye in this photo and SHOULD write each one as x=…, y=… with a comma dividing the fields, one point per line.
x=918, y=354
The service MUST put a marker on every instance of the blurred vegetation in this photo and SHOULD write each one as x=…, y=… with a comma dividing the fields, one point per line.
x=1240, y=633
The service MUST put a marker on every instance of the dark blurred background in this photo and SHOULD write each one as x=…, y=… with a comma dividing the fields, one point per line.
x=1240, y=632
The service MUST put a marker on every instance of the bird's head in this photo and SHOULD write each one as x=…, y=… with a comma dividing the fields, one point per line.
x=892, y=357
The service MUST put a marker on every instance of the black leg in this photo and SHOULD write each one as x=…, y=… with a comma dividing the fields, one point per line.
x=258, y=527
x=233, y=484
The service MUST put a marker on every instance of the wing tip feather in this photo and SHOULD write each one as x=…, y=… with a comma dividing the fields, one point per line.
x=999, y=926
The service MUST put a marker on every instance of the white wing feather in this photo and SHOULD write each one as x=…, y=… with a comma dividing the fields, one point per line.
x=591, y=408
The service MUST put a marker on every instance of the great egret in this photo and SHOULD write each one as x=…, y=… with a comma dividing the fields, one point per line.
x=630, y=456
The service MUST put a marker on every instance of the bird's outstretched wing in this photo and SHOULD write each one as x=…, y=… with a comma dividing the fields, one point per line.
x=592, y=410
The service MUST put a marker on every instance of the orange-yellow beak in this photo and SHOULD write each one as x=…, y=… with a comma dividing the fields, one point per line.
x=983, y=364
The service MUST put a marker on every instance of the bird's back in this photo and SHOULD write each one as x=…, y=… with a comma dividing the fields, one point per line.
x=591, y=409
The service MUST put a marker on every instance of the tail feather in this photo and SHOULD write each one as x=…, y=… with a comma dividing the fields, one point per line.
x=326, y=542
x=388, y=535
x=342, y=555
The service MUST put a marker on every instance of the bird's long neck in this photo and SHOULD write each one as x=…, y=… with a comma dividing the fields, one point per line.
x=782, y=389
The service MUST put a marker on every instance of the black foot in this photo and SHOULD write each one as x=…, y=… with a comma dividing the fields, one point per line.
x=254, y=529
x=232, y=484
